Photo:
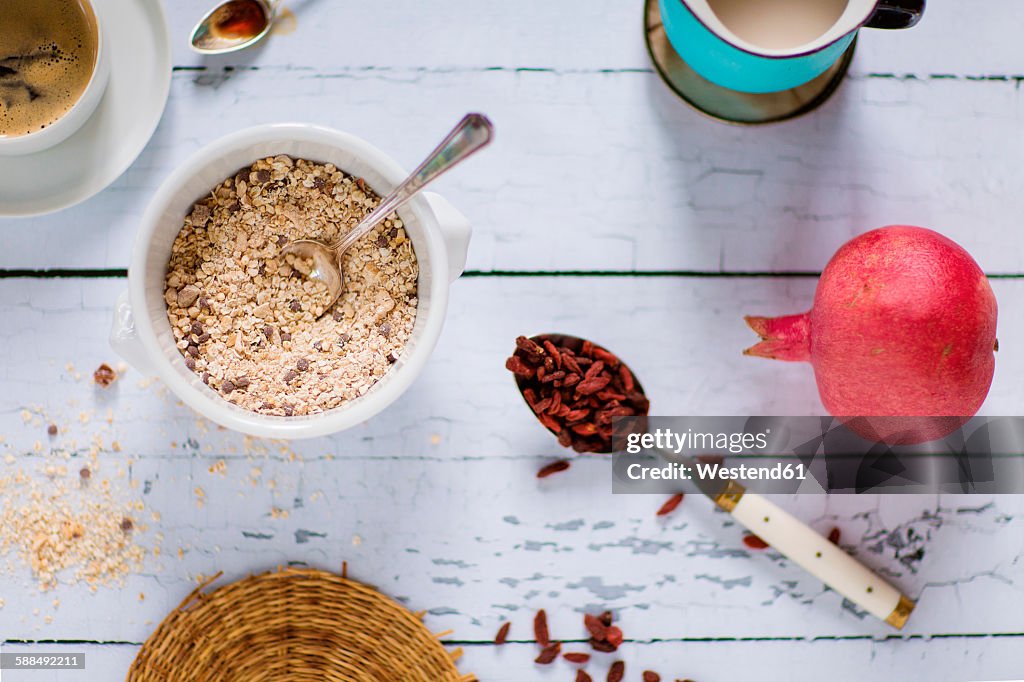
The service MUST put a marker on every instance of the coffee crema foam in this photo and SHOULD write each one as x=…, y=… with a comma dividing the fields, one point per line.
x=48, y=51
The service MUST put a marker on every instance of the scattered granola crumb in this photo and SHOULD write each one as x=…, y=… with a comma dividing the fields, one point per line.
x=66, y=532
x=104, y=375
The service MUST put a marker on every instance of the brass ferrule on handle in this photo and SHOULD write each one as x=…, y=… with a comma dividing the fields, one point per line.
x=731, y=496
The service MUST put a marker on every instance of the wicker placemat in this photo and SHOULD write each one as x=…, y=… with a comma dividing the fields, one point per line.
x=301, y=625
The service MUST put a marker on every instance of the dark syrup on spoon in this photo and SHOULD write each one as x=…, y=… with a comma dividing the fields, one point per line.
x=239, y=19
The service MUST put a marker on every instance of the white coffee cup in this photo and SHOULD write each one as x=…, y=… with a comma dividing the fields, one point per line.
x=142, y=335
x=65, y=126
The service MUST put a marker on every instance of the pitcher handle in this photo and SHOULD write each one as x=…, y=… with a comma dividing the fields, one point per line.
x=896, y=14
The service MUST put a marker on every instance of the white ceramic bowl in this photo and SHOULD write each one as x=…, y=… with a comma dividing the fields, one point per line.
x=142, y=335
x=65, y=126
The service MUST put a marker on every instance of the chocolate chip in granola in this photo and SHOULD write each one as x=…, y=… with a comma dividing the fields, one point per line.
x=302, y=365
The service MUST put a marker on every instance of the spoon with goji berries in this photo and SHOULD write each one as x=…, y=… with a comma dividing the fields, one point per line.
x=588, y=397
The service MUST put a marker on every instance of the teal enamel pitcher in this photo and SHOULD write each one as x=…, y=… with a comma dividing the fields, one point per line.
x=762, y=46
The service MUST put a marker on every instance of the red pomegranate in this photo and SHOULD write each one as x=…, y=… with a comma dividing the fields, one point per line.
x=902, y=333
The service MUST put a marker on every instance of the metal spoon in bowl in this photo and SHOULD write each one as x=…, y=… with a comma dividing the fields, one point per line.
x=234, y=25
x=785, y=533
x=474, y=132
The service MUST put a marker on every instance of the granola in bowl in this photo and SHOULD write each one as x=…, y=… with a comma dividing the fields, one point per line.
x=253, y=326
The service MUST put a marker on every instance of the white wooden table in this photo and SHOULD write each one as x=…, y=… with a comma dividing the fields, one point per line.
x=608, y=209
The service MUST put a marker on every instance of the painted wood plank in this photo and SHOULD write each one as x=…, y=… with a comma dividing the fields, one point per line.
x=435, y=501
x=575, y=35
x=772, y=661
x=610, y=172
x=683, y=336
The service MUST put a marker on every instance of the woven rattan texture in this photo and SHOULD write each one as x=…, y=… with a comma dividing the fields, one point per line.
x=295, y=625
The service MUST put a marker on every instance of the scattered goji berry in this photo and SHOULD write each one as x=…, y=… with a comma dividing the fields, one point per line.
x=549, y=653
x=540, y=628
x=553, y=468
x=754, y=542
x=670, y=504
x=614, y=636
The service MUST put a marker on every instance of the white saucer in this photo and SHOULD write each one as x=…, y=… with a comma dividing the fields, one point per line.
x=95, y=156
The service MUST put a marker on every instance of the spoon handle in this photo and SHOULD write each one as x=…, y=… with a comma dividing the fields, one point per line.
x=473, y=133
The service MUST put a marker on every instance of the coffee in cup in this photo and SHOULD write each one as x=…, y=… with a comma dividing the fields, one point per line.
x=48, y=54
